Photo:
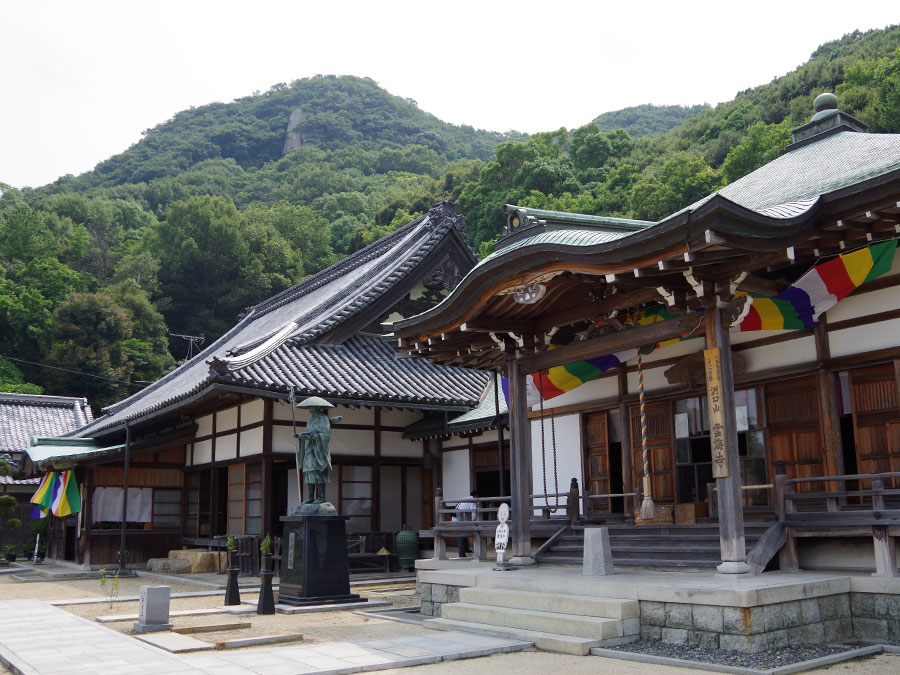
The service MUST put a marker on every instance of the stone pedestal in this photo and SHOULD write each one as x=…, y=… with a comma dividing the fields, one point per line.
x=232, y=591
x=153, y=610
x=314, y=568
x=597, y=552
x=266, y=604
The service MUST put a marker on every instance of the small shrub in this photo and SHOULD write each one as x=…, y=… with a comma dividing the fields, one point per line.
x=7, y=505
x=265, y=546
x=14, y=524
x=229, y=543
x=110, y=586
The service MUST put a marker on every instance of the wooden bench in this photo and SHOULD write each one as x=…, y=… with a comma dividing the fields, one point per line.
x=480, y=532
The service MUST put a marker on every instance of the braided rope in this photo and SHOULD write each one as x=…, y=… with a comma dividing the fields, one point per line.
x=645, y=455
x=555, y=507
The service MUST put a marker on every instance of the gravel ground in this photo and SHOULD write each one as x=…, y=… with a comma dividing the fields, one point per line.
x=759, y=660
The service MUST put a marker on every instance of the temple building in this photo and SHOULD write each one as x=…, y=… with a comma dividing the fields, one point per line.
x=208, y=449
x=720, y=363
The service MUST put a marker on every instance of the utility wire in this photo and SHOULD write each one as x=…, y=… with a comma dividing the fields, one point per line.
x=76, y=372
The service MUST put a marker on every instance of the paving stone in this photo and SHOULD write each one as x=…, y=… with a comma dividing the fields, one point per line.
x=174, y=642
x=678, y=615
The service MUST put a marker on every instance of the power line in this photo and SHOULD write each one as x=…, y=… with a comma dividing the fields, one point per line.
x=76, y=372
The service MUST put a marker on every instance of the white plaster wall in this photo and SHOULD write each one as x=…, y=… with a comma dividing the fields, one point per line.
x=654, y=378
x=455, y=442
x=351, y=442
x=390, y=498
x=226, y=447
x=568, y=455
x=282, y=439
x=865, y=338
x=866, y=303
x=455, y=466
x=399, y=418
x=188, y=453
x=202, y=452
x=251, y=442
x=252, y=412
x=394, y=445
x=792, y=352
x=281, y=410
x=226, y=419
x=204, y=425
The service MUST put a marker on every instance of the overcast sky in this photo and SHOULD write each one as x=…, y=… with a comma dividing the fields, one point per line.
x=81, y=79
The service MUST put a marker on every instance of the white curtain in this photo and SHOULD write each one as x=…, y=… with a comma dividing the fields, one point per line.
x=106, y=505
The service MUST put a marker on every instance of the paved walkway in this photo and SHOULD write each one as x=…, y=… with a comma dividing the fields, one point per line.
x=36, y=637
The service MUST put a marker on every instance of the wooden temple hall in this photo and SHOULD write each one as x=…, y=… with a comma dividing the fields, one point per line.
x=737, y=363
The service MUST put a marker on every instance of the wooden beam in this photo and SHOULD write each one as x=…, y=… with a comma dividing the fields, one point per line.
x=754, y=284
x=614, y=302
x=609, y=344
x=498, y=326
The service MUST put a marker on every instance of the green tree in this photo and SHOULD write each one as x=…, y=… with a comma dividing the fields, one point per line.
x=761, y=144
x=89, y=342
x=679, y=182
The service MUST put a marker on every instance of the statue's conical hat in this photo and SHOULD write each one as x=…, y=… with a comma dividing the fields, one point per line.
x=314, y=402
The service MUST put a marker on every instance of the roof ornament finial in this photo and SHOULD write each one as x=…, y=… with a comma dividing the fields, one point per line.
x=824, y=102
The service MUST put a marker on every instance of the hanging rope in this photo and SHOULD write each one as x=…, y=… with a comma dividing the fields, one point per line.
x=555, y=506
x=648, y=510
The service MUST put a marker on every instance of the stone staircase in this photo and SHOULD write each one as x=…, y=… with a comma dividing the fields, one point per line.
x=569, y=624
x=678, y=546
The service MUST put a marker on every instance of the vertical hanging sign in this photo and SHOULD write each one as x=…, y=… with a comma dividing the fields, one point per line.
x=716, y=398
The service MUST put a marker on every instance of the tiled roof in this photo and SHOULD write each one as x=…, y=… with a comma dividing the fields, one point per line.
x=25, y=415
x=362, y=368
x=304, y=313
x=486, y=415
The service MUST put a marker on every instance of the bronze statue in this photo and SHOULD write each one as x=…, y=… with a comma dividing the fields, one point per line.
x=313, y=456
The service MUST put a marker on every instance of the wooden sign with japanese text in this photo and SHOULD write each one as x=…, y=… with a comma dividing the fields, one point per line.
x=715, y=395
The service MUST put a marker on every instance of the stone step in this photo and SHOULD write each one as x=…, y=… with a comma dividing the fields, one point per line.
x=644, y=562
x=550, y=642
x=610, y=608
x=595, y=628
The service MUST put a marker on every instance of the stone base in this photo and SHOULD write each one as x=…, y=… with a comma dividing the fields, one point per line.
x=314, y=565
x=733, y=568
x=150, y=627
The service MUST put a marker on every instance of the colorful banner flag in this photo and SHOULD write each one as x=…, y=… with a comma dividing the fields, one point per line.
x=58, y=493
x=797, y=307
x=801, y=304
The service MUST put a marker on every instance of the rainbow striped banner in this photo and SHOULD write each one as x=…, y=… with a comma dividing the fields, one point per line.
x=58, y=493
x=797, y=307
x=801, y=304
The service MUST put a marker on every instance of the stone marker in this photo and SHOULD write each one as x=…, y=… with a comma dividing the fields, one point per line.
x=597, y=555
x=153, y=610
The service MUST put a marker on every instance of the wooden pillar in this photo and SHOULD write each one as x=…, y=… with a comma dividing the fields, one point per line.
x=376, y=473
x=520, y=466
x=731, y=514
x=625, y=421
x=831, y=416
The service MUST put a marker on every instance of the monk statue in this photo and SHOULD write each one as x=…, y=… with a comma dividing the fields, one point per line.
x=313, y=456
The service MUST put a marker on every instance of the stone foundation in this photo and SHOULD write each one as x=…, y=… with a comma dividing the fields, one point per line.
x=860, y=613
x=749, y=629
x=434, y=596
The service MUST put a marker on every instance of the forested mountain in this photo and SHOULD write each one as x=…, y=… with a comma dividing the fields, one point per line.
x=227, y=204
x=647, y=119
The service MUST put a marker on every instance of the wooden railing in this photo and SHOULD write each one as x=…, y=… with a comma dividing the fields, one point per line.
x=846, y=513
